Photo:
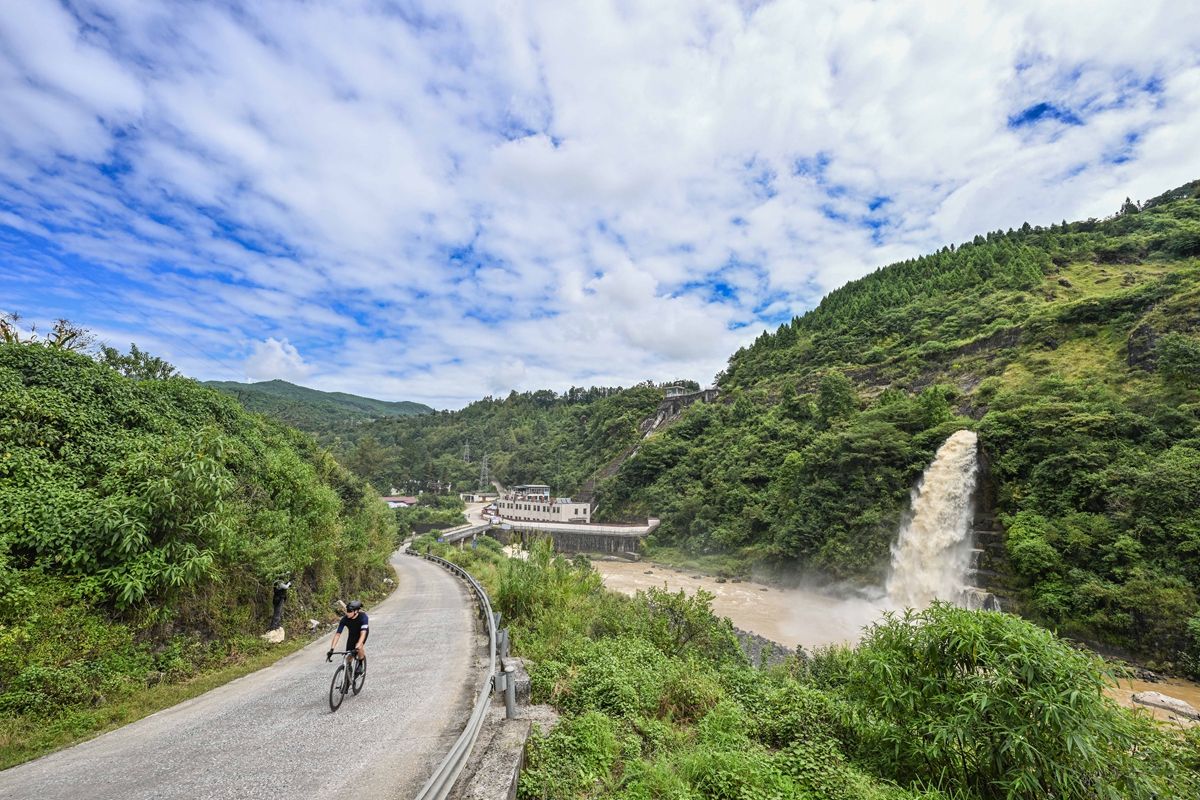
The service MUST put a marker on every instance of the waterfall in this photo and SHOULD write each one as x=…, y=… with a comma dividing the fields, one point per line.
x=932, y=553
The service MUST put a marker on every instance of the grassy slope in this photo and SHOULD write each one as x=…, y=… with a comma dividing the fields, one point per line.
x=23, y=739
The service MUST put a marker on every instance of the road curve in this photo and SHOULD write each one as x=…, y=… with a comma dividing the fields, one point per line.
x=271, y=735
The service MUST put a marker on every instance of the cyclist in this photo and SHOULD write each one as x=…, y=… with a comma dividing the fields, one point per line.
x=355, y=624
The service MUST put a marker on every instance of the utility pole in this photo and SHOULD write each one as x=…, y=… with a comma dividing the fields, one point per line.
x=483, y=472
x=467, y=450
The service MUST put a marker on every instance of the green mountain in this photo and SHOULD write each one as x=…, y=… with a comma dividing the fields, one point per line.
x=1073, y=350
x=313, y=410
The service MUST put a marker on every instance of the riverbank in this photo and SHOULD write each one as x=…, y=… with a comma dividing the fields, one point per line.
x=805, y=618
x=792, y=617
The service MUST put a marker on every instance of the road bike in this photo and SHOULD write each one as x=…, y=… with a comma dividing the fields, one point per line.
x=347, y=679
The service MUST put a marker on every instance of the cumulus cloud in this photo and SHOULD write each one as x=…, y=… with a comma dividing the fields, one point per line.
x=273, y=359
x=472, y=196
x=505, y=375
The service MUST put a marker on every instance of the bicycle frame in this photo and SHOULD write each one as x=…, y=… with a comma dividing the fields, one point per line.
x=346, y=678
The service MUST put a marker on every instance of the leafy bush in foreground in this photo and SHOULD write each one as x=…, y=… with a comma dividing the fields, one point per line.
x=989, y=704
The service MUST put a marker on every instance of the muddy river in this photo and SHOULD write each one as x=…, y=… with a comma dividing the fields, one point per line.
x=810, y=619
x=788, y=616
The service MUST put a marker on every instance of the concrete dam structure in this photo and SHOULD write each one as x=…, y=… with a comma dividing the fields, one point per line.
x=576, y=538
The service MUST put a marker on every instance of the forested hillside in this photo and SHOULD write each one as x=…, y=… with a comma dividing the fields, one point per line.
x=142, y=523
x=531, y=437
x=540, y=436
x=1073, y=350
x=312, y=410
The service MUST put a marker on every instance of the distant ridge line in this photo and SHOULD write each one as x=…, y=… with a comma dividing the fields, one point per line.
x=347, y=404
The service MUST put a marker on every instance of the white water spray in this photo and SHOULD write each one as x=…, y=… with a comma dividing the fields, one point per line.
x=933, y=552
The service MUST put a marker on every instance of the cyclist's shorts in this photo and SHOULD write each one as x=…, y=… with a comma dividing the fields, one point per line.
x=364, y=641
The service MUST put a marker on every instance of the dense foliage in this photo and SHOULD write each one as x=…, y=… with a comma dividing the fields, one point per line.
x=997, y=707
x=808, y=479
x=657, y=701
x=141, y=525
x=934, y=308
x=432, y=512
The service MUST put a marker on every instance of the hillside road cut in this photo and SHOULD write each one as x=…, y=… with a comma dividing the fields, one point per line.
x=271, y=734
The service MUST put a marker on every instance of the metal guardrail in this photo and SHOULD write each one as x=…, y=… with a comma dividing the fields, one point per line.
x=442, y=780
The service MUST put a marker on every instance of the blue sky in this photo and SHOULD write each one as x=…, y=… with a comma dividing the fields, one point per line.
x=441, y=201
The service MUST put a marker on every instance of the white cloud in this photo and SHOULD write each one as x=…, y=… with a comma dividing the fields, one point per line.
x=273, y=359
x=505, y=375
x=478, y=196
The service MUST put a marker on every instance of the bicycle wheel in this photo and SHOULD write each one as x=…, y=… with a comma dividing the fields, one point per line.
x=360, y=678
x=336, y=690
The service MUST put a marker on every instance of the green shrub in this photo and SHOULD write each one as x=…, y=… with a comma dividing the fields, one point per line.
x=986, y=703
x=688, y=693
x=578, y=753
x=1179, y=358
x=42, y=689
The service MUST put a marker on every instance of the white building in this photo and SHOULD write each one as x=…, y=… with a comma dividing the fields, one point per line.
x=533, y=503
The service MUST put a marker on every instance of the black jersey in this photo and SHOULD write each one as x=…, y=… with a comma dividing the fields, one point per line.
x=353, y=627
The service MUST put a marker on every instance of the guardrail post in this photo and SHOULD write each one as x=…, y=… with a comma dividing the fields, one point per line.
x=510, y=692
x=502, y=643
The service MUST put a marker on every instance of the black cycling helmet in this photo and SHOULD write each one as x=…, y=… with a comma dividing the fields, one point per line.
x=354, y=605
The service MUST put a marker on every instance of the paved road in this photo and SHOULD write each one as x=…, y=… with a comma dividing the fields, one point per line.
x=271, y=734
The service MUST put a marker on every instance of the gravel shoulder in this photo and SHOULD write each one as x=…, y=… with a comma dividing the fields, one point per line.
x=271, y=734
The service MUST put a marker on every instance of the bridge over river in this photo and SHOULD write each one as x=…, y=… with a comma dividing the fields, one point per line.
x=568, y=537
x=271, y=734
